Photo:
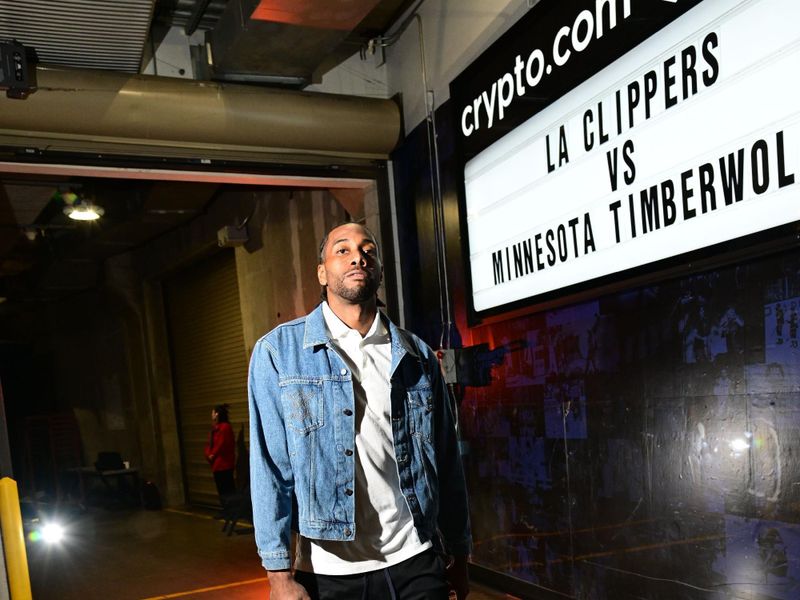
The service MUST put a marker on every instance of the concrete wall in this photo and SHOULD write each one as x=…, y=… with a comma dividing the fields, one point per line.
x=276, y=272
x=455, y=32
x=356, y=77
x=171, y=56
x=277, y=279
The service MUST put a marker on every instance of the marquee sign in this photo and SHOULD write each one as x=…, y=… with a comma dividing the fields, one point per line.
x=687, y=140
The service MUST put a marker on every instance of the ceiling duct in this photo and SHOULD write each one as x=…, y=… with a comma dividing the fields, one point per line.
x=91, y=34
x=145, y=115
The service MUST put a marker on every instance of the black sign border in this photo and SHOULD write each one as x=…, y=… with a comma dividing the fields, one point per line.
x=466, y=85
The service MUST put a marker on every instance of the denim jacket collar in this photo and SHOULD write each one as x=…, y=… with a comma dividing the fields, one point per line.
x=316, y=334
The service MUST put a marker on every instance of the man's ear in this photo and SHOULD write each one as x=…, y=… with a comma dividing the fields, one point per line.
x=322, y=276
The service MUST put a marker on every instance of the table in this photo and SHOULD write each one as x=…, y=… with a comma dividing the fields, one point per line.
x=118, y=488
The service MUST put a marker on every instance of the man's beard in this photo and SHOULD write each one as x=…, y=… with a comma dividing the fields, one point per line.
x=358, y=294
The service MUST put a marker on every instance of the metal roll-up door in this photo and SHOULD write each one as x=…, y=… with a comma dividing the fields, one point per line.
x=209, y=363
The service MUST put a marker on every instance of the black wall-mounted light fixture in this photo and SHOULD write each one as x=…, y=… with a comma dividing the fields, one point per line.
x=16, y=76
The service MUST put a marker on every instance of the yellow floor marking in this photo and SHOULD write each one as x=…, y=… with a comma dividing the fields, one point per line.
x=186, y=512
x=201, y=516
x=207, y=589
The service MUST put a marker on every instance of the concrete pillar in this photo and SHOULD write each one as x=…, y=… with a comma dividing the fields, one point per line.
x=164, y=441
x=278, y=275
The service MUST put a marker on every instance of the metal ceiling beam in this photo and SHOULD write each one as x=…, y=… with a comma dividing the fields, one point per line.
x=198, y=12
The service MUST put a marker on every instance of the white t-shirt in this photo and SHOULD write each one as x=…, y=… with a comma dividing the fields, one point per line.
x=385, y=533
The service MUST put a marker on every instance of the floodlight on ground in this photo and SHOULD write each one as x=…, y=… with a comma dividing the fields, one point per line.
x=52, y=533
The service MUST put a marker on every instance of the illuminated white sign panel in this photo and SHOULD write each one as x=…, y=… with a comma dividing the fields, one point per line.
x=689, y=140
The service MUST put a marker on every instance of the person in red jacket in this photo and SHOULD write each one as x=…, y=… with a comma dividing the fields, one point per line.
x=220, y=452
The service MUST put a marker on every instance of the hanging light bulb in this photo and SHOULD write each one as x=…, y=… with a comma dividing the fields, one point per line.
x=84, y=211
x=76, y=205
x=80, y=208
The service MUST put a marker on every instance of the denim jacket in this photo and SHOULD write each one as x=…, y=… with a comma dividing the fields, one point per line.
x=302, y=422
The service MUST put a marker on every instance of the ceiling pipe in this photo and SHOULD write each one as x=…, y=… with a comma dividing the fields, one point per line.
x=97, y=109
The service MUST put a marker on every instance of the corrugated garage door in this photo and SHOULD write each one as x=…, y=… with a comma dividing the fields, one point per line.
x=209, y=361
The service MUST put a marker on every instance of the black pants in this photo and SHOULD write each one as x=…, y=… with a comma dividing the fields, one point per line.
x=420, y=577
x=225, y=485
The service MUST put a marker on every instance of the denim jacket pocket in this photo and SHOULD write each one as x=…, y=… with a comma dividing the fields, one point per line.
x=302, y=404
x=420, y=409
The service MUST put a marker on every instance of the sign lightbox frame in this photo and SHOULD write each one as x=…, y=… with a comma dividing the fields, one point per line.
x=607, y=44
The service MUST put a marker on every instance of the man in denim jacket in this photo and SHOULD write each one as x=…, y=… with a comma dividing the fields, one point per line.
x=353, y=445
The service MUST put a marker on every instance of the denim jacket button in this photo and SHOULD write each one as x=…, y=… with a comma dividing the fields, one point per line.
x=348, y=452
x=349, y=492
x=347, y=412
x=343, y=371
x=347, y=532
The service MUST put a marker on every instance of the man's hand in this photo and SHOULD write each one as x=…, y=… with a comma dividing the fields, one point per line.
x=458, y=578
x=282, y=586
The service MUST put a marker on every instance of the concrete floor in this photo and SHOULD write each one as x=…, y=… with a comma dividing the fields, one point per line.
x=128, y=554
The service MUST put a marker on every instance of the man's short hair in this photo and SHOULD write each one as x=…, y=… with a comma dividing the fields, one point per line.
x=324, y=241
